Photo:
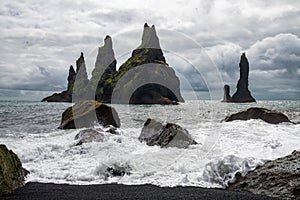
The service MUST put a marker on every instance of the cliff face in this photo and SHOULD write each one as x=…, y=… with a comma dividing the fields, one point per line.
x=145, y=78
x=242, y=95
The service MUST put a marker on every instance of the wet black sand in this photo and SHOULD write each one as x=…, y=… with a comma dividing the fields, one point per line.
x=42, y=191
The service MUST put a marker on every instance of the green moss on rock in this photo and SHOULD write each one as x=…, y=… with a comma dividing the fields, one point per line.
x=11, y=171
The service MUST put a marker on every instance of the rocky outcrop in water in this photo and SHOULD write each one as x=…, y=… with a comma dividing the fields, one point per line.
x=267, y=115
x=77, y=84
x=89, y=135
x=12, y=174
x=278, y=178
x=227, y=97
x=81, y=89
x=169, y=135
x=104, y=71
x=86, y=113
x=242, y=95
x=145, y=78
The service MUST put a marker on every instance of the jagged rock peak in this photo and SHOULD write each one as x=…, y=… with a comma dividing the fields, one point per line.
x=108, y=41
x=105, y=65
x=71, y=70
x=71, y=79
x=149, y=38
x=79, y=62
x=243, y=94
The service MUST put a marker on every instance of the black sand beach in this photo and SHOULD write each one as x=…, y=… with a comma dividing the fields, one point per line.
x=42, y=191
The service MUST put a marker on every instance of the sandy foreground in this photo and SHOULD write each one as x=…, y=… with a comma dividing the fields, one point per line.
x=41, y=191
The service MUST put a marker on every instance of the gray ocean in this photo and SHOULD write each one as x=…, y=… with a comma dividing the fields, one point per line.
x=223, y=149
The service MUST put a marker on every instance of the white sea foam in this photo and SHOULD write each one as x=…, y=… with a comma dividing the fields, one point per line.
x=224, y=149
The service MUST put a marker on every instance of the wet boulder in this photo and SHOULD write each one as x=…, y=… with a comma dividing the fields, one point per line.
x=86, y=113
x=168, y=135
x=89, y=135
x=267, y=115
x=12, y=173
x=277, y=178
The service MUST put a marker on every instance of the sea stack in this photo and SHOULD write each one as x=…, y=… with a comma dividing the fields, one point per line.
x=81, y=88
x=105, y=69
x=146, y=78
x=242, y=94
x=227, y=97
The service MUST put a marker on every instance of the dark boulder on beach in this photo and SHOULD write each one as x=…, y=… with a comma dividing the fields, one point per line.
x=86, y=113
x=278, y=178
x=242, y=94
x=267, y=115
x=169, y=135
x=12, y=174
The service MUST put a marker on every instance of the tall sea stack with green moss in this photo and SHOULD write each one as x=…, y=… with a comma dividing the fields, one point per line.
x=104, y=71
x=146, y=78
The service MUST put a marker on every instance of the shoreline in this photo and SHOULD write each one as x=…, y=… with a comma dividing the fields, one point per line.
x=34, y=190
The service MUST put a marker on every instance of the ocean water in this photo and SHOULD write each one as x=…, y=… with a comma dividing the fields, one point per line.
x=223, y=149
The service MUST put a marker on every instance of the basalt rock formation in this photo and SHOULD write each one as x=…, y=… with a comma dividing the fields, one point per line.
x=227, y=97
x=77, y=84
x=278, y=178
x=145, y=78
x=81, y=85
x=86, y=113
x=267, y=115
x=169, y=135
x=12, y=173
x=242, y=95
x=104, y=71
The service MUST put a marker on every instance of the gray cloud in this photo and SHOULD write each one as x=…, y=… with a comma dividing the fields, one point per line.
x=39, y=40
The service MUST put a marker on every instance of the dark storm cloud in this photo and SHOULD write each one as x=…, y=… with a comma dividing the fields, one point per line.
x=39, y=40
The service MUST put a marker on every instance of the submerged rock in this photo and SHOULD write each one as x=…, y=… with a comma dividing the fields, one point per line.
x=117, y=170
x=169, y=135
x=86, y=113
x=242, y=94
x=95, y=134
x=89, y=135
x=12, y=173
x=278, y=178
x=267, y=115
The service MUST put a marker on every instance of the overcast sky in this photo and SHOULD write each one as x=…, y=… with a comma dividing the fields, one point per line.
x=39, y=40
